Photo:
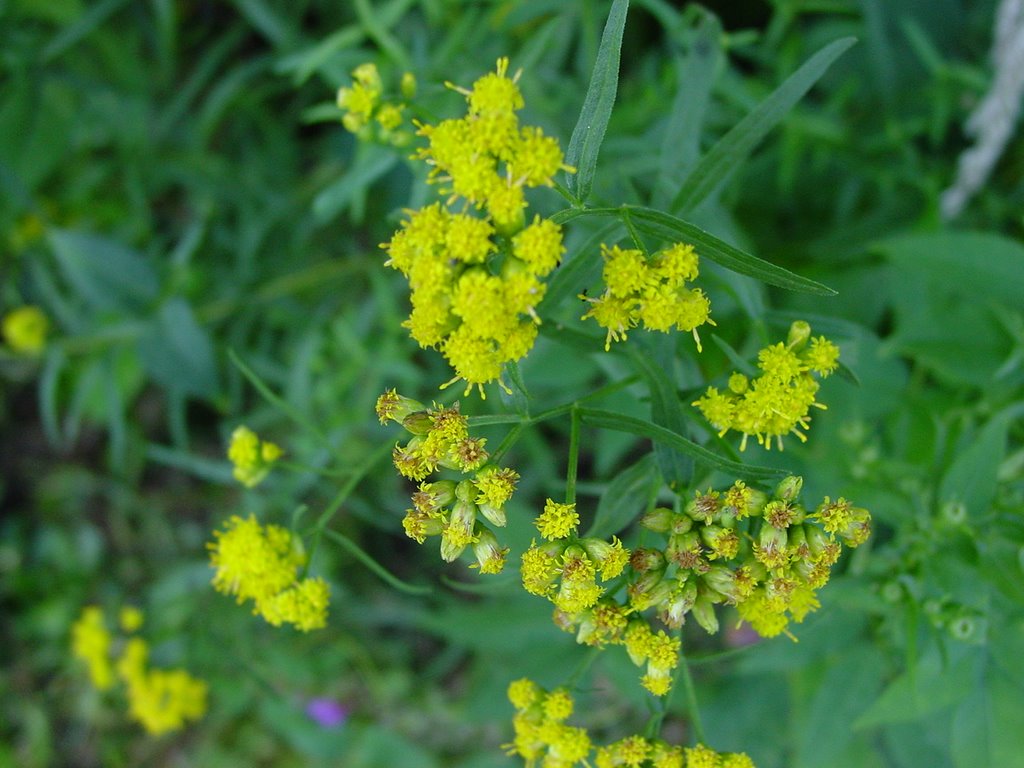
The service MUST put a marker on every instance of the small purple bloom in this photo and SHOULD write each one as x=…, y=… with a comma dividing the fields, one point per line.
x=327, y=712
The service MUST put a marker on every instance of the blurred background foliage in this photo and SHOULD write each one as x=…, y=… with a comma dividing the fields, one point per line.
x=175, y=185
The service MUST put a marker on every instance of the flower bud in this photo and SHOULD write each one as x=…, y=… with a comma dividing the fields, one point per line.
x=417, y=422
x=394, y=407
x=704, y=612
x=658, y=520
x=721, y=580
x=408, y=85
x=490, y=555
x=799, y=333
x=644, y=559
x=771, y=548
x=789, y=488
x=459, y=532
x=677, y=604
x=685, y=551
x=705, y=507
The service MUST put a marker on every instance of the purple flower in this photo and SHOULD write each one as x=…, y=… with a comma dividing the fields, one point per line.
x=328, y=713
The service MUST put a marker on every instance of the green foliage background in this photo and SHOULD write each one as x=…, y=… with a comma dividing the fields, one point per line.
x=174, y=185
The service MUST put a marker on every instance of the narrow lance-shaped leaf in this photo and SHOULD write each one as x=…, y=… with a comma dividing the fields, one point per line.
x=668, y=227
x=642, y=428
x=733, y=148
x=597, y=105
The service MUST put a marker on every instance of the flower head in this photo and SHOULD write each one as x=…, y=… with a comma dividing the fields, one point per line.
x=24, y=329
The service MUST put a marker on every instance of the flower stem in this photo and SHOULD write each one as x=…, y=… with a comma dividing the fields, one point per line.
x=574, y=455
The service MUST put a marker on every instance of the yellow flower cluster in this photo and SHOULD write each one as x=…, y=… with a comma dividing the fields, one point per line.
x=161, y=700
x=776, y=402
x=566, y=569
x=446, y=508
x=766, y=556
x=368, y=114
x=251, y=457
x=91, y=642
x=652, y=291
x=24, y=330
x=542, y=737
x=475, y=279
x=260, y=563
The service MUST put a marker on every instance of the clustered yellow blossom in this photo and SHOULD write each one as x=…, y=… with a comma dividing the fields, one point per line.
x=91, y=642
x=161, y=700
x=24, y=330
x=765, y=556
x=448, y=508
x=251, y=456
x=650, y=291
x=776, y=402
x=371, y=116
x=476, y=273
x=543, y=738
x=566, y=569
x=261, y=563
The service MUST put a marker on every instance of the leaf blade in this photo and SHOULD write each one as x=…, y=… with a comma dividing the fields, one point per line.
x=733, y=148
x=588, y=134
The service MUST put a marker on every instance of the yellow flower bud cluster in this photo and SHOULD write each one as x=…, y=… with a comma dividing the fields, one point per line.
x=161, y=700
x=542, y=737
x=566, y=569
x=251, y=456
x=261, y=563
x=767, y=556
x=652, y=291
x=776, y=402
x=448, y=508
x=476, y=274
x=24, y=330
x=371, y=116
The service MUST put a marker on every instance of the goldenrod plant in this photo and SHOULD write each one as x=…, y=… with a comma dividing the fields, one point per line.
x=567, y=385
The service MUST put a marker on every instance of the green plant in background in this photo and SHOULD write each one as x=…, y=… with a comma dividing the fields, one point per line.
x=246, y=220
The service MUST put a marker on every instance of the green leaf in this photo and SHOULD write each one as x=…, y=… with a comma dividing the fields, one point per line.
x=351, y=188
x=642, y=428
x=625, y=498
x=666, y=408
x=932, y=685
x=981, y=265
x=106, y=274
x=972, y=477
x=178, y=353
x=597, y=105
x=667, y=227
x=988, y=725
x=680, y=146
x=733, y=148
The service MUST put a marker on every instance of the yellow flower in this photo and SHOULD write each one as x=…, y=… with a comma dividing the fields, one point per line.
x=260, y=563
x=25, y=329
x=651, y=292
x=91, y=642
x=778, y=401
x=251, y=457
x=557, y=520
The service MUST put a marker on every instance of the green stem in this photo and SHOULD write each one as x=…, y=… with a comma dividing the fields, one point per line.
x=303, y=469
x=343, y=493
x=508, y=441
x=691, y=697
x=574, y=456
x=286, y=408
x=377, y=568
x=627, y=222
x=583, y=666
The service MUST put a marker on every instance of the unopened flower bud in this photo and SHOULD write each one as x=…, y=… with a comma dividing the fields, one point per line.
x=722, y=581
x=394, y=407
x=686, y=551
x=417, y=422
x=490, y=555
x=677, y=604
x=789, y=488
x=704, y=612
x=408, y=85
x=799, y=333
x=771, y=548
x=644, y=559
x=658, y=520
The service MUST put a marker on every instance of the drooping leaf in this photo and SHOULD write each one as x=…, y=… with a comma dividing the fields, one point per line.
x=625, y=498
x=643, y=428
x=732, y=149
x=105, y=273
x=588, y=134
